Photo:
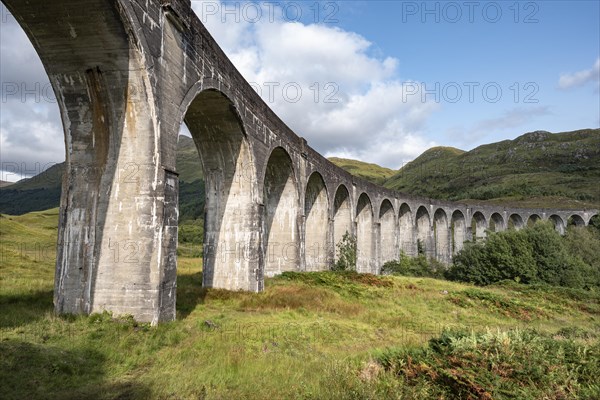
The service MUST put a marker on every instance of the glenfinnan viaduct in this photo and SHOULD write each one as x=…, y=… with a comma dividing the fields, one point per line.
x=127, y=74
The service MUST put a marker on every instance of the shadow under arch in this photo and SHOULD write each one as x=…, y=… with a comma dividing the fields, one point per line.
x=424, y=236
x=442, y=236
x=459, y=231
x=559, y=223
x=316, y=232
x=230, y=236
x=406, y=230
x=281, y=210
x=478, y=226
x=497, y=223
x=365, y=249
x=342, y=217
x=533, y=219
x=515, y=221
x=387, y=232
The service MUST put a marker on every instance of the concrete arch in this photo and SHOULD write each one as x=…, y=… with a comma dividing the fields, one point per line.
x=423, y=229
x=515, y=221
x=342, y=217
x=280, y=193
x=576, y=220
x=316, y=232
x=387, y=233
x=533, y=219
x=441, y=231
x=559, y=223
x=94, y=55
x=497, y=223
x=230, y=185
x=478, y=226
x=459, y=231
x=365, y=257
x=406, y=230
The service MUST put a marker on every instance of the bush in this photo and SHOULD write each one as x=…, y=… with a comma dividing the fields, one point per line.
x=347, y=254
x=414, y=266
x=536, y=254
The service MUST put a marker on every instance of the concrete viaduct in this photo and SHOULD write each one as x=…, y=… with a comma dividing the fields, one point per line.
x=127, y=74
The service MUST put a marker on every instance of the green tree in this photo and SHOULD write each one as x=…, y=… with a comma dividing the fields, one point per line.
x=347, y=254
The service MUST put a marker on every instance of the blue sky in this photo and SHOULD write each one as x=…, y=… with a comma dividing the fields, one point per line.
x=548, y=39
x=373, y=58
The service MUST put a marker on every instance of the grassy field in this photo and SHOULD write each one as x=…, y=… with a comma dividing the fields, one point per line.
x=308, y=336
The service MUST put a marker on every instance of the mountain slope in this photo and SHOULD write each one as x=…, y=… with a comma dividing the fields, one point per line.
x=535, y=169
x=369, y=172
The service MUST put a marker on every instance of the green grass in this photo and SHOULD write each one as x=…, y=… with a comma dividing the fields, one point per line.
x=307, y=336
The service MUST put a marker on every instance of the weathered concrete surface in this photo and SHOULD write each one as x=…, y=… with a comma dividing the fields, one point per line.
x=127, y=74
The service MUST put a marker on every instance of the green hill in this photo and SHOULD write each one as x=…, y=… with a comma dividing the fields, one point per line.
x=538, y=169
x=535, y=169
x=42, y=191
x=369, y=172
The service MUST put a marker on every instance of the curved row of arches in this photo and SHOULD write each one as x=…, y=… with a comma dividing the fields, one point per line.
x=301, y=220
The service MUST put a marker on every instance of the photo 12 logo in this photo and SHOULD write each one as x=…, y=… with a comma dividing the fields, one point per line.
x=269, y=11
x=453, y=12
x=28, y=91
x=292, y=92
x=471, y=92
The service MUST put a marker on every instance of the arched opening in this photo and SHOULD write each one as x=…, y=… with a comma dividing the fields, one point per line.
x=406, y=231
x=559, y=224
x=229, y=176
x=423, y=232
x=497, y=223
x=442, y=236
x=342, y=217
x=365, y=250
x=281, y=215
x=459, y=231
x=515, y=222
x=387, y=232
x=575, y=220
x=478, y=226
x=532, y=220
x=316, y=212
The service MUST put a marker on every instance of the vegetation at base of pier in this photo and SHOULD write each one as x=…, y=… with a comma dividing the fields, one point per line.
x=419, y=266
x=320, y=335
x=346, y=254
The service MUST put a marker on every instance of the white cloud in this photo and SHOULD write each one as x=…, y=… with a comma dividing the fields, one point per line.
x=581, y=78
x=372, y=120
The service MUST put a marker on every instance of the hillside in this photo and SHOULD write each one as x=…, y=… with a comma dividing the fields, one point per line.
x=308, y=336
x=535, y=169
x=367, y=171
x=42, y=191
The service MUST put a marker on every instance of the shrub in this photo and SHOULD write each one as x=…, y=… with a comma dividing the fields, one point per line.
x=347, y=254
x=537, y=254
x=413, y=266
